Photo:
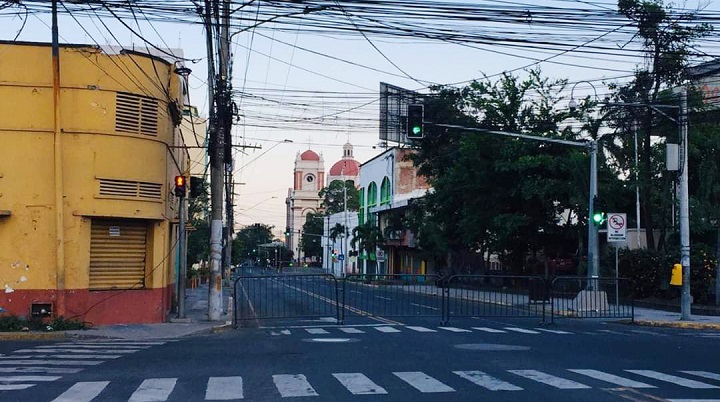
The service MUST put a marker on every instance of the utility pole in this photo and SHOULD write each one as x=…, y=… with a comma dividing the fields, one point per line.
x=58, y=164
x=686, y=298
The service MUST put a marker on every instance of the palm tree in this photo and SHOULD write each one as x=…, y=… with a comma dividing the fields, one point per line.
x=366, y=238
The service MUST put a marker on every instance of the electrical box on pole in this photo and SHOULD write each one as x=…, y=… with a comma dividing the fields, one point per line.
x=415, y=115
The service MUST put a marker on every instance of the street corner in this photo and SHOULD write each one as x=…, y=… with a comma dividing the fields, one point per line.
x=219, y=329
x=33, y=336
x=672, y=324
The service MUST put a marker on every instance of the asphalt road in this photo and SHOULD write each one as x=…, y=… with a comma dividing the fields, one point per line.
x=394, y=358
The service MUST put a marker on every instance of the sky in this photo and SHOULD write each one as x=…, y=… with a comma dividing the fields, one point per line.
x=320, y=89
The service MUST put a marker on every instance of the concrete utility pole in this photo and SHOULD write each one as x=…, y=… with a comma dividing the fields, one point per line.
x=58, y=164
x=686, y=298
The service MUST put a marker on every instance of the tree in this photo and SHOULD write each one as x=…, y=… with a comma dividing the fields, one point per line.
x=312, y=232
x=366, y=238
x=334, y=197
x=247, y=241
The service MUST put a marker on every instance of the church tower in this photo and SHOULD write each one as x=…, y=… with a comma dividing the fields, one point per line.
x=303, y=198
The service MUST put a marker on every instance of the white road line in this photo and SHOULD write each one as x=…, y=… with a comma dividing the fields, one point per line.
x=359, y=384
x=683, y=382
x=224, y=388
x=61, y=356
x=387, y=329
x=613, y=332
x=704, y=374
x=123, y=343
x=694, y=400
x=420, y=329
x=491, y=330
x=486, y=381
x=424, y=306
x=642, y=332
x=75, y=351
x=316, y=331
x=293, y=385
x=102, y=347
x=613, y=379
x=521, y=330
x=82, y=391
x=383, y=298
x=153, y=390
x=554, y=331
x=351, y=330
x=551, y=380
x=14, y=387
x=51, y=362
x=22, y=378
x=423, y=382
x=453, y=329
x=47, y=370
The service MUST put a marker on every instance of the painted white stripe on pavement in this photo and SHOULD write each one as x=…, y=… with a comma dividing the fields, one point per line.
x=607, y=331
x=121, y=343
x=359, y=384
x=491, y=330
x=453, y=329
x=704, y=374
x=387, y=329
x=424, y=306
x=52, y=362
x=102, y=347
x=292, y=385
x=61, y=356
x=521, y=330
x=486, y=381
x=124, y=351
x=82, y=392
x=420, y=329
x=14, y=387
x=351, y=330
x=613, y=379
x=554, y=331
x=153, y=390
x=694, y=400
x=48, y=370
x=224, y=388
x=683, y=382
x=21, y=378
x=551, y=380
x=316, y=331
x=423, y=382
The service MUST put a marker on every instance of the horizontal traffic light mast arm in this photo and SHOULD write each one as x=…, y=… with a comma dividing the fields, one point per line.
x=583, y=144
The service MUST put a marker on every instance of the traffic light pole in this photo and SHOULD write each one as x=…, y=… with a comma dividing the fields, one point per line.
x=182, y=274
x=686, y=298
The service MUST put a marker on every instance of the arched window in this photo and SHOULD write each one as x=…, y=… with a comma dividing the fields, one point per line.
x=361, y=210
x=372, y=194
x=385, y=193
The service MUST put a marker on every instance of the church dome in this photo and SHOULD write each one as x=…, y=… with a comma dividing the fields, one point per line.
x=309, y=155
x=345, y=167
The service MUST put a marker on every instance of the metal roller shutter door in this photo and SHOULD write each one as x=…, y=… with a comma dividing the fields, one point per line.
x=117, y=254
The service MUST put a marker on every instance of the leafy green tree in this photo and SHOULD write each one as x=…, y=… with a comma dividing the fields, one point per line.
x=312, y=232
x=247, y=241
x=334, y=197
x=366, y=238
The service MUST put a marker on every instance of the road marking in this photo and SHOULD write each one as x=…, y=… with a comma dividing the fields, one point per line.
x=387, y=329
x=14, y=387
x=110, y=344
x=491, y=330
x=424, y=306
x=683, y=382
x=82, y=392
x=292, y=385
x=383, y=298
x=75, y=351
x=554, y=331
x=521, y=330
x=694, y=400
x=316, y=331
x=612, y=332
x=613, y=379
x=420, y=329
x=551, y=380
x=21, y=378
x=423, y=382
x=52, y=362
x=351, y=330
x=103, y=347
x=224, y=388
x=638, y=331
x=359, y=384
x=486, y=381
x=453, y=329
x=704, y=374
x=61, y=356
x=282, y=332
x=48, y=370
x=153, y=390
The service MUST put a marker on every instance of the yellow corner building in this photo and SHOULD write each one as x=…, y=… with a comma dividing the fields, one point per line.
x=88, y=218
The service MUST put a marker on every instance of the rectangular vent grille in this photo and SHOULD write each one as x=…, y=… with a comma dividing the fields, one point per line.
x=130, y=189
x=136, y=114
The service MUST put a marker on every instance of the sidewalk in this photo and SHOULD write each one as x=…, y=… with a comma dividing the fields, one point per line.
x=660, y=318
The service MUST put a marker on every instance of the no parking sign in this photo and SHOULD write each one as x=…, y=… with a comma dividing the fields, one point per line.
x=616, y=227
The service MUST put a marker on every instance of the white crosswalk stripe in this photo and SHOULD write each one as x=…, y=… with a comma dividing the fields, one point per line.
x=359, y=384
x=27, y=378
x=521, y=330
x=423, y=382
x=551, y=380
x=704, y=374
x=47, y=370
x=453, y=329
x=351, y=330
x=293, y=385
x=121, y=351
x=613, y=379
x=102, y=347
x=154, y=390
x=82, y=392
x=387, y=330
x=420, y=329
x=61, y=356
x=487, y=381
x=683, y=382
x=554, y=331
x=224, y=388
x=490, y=330
x=316, y=331
x=14, y=387
x=51, y=362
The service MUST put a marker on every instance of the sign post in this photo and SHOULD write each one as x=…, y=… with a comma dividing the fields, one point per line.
x=616, y=233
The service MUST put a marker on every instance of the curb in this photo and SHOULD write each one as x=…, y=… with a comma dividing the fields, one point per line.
x=672, y=324
x=219, y=329
x=32, y=336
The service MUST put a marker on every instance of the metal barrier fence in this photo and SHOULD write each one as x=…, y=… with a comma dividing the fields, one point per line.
x=397, y=295
x=496, y=296
x=265, y=297
x=581, y=297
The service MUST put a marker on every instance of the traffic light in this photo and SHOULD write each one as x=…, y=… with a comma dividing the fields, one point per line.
x=334, y=254
x=415, y=115
x=180, y=186
x=287, y=232
x=598, y=217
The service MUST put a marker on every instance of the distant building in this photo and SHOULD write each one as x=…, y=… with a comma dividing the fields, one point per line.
x=303, y=198
x=87, y=215
x=346, y=168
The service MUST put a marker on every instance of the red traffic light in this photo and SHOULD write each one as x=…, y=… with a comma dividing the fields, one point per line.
x=180, y=186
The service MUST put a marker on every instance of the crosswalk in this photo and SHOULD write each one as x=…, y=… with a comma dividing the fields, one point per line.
x=25, y=368
x=397, y=329
x=407, y=382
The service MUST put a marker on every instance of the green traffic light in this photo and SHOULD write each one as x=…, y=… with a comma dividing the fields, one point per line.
x=417, y=130
x=598, y=217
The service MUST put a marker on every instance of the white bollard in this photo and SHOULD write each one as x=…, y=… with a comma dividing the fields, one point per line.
x=231, y=306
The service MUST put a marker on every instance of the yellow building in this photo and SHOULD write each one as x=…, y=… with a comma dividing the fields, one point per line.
x=88, y=218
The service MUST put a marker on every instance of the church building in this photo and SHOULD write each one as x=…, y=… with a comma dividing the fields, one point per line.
x=303, y=198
